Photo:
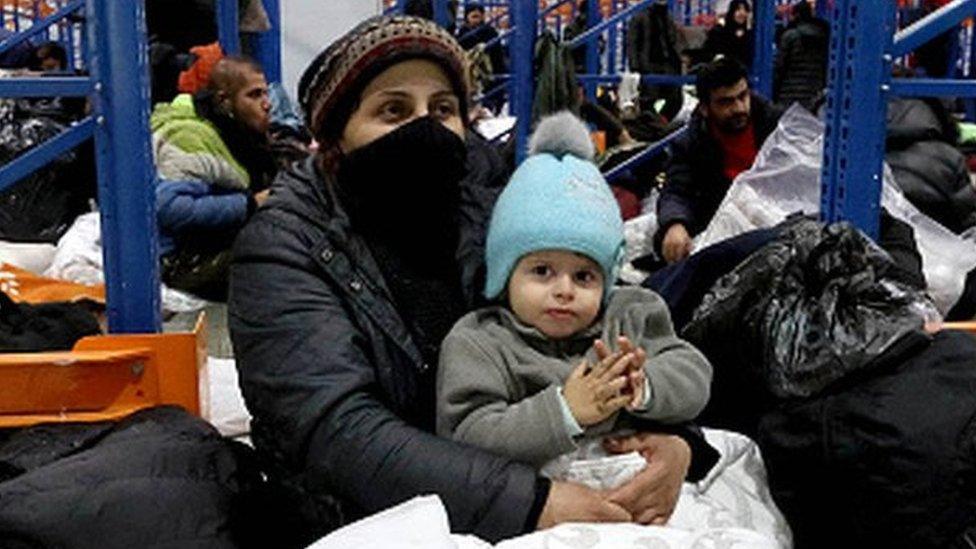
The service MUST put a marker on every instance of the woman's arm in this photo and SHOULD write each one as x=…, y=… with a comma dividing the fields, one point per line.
x=308, y=378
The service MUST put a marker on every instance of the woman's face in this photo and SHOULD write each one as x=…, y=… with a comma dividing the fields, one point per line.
x=399, y=95
x=741, y=14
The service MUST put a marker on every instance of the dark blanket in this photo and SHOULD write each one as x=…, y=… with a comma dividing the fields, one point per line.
x=889, y=461
x=159, y=478
x=43, y=327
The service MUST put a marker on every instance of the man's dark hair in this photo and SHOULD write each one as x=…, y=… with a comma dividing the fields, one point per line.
x=473, y=7
x=50, y=50
x=802, y=11
x=228, y=74
x=721, y=73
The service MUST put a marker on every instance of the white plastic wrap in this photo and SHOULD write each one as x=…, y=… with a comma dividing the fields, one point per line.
x=79, y=259
x=730, y=508
x=785, y=178
x=639, y=240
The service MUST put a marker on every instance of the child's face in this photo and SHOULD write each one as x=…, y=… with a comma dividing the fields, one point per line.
x=557, y=292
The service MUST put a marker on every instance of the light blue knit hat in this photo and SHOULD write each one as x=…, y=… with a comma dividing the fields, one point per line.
x=557, y=199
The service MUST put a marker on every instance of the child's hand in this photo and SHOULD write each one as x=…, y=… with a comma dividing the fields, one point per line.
x=594, y=394
x=635, y=375
x=636, y=380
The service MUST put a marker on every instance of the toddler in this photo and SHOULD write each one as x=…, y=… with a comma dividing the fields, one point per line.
x=564, y=357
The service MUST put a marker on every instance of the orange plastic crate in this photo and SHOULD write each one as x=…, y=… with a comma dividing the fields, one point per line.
x=103, y=378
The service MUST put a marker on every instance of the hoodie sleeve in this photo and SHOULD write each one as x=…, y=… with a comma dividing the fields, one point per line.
x=187, y=206
x=476, y=405
x=678, y=375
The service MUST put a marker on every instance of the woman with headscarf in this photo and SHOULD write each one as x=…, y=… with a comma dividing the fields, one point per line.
x=734, y=37
x=348, y=278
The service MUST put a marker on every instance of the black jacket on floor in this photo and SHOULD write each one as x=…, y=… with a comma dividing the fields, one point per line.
x=927, y=167
x=157, y=479
x=28, y=328
x=889, y=461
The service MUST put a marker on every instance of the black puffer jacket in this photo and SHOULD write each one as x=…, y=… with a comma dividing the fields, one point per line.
x=158, y=479
x=652, y=39
x=336, y=383
x=334, y=379
x=927, y=167
x=801, y=63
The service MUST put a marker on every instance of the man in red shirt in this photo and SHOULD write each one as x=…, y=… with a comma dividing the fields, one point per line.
x=724, y=136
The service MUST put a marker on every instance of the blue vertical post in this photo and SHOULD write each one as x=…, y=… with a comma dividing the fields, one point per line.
x=970, y=103
x=858, y=83
x=522, y=85
x=268, y=44
x=624, y=29
x=442, y=15
x=763, y=40
x=612, y=41
x=823, y=9
x=83, y=46
x=36, y=15
x=593, y=18
x=126, y=174
x=67, y=35
x=228, y=26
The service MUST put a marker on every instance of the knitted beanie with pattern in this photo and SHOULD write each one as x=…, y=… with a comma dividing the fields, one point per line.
x=329, y=89
x=557, y=199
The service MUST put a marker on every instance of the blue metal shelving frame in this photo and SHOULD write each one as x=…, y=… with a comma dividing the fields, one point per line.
x=228, y=27
x=266, y=45
x=601, y=68
x=119, y=88
x=118, y=85
x=863, y=46
x=126, y=173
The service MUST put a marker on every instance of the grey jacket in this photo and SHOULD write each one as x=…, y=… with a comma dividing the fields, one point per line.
x=498, y=381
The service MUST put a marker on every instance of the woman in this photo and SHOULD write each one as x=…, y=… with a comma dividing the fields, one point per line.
x=733, y=38
x=346, y=281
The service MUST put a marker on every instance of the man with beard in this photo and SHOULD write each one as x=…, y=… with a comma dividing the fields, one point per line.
x=724, y=136
x=215, y=166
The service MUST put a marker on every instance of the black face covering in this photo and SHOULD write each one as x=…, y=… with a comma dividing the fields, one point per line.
x=402, y=193
x=404, y=187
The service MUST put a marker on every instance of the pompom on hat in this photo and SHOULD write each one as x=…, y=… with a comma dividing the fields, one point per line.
x=557, y=199
x=329, y=89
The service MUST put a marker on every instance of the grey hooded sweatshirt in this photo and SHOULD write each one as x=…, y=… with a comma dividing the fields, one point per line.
x=499, y=379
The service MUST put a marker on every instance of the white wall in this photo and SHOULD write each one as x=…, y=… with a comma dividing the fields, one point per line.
x=308, y=26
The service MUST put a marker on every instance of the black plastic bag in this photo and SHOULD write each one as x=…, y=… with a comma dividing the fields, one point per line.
x=807, y=309
x=41, y=206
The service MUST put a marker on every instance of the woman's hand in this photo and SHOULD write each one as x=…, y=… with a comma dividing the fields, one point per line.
x=569, y=502
x=652, y=495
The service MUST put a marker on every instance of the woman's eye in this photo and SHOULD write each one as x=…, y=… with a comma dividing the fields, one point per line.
x=393, y=109
x=445, y=109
